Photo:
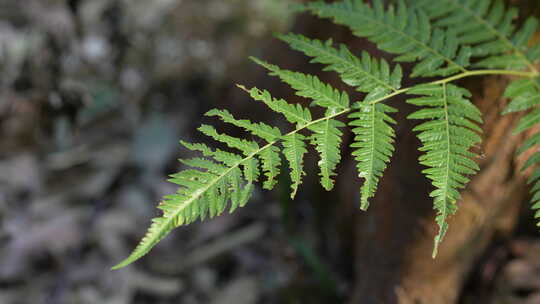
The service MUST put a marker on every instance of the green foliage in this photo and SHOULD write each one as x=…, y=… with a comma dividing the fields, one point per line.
x=294, y=148
x=491, y=31
x=525, y=96
x=373, y=138
x=446, y=136
x=448, y=39
x=366, y=74
x=326, y=134
x=404, y=31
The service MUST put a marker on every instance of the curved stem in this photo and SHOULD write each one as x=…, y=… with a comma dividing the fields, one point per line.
x=465, y=75
x=395, y=93
x=486, y=72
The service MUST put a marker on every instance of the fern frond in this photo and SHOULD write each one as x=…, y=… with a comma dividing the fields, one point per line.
x=327, y=139
x=370, y=75
x=294, y=113
x=326, y=134
x=270, y=156
x=224, y=177
x=246, y=146
x=309, y=86
x=229, y=159
x=366, y=74
x=204, y=164
x=262, y=130
x=293, y=143
x=440, y=38
x=525, y=96
x=487, y=26
x=404, y=31
x=373, y=140
x=271, y=161
x=201, y=193
x=294, y=148
x=446, y=139
x=535, y=191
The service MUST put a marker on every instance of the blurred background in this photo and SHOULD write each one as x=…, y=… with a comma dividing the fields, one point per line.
x=94, y=97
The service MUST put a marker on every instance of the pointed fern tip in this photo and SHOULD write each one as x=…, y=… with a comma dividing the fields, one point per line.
x=364, y=204
x=242, y=87
x=212, y=112
x=256, y=60
x=280, y=36
x=435, y=250
x=184, y=143
x=122, y=264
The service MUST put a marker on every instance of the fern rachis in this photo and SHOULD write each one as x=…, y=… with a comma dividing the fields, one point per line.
x=453, y=39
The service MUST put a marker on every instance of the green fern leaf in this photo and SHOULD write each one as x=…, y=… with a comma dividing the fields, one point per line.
x=271, y=162
x=310, y=86
x=535, y=201
x=269, y=156
x=440, y=38
x=405, y=31
x=327, y=139
x=533, y=53
x=262, y=130
x=446, y=139
x=293, y=113
x=366, y=74
x=327, y=136
x=229, y=159
x=518, y=59
x=200, y=193
x=251, y=168
x=487, y=25
x=246, y=146
x=204, y=164
x=373, y=140
x=294, y=148
x=525, y=95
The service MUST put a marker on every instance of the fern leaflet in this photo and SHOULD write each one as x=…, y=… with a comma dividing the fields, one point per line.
x=200, y=194
x=373, y=138
x=294, y=148
x=406, y=32
x=366, y=74
x=326, y=134
x=371, y=76
x=525, y=95
x=488, y=26
x=446, y=139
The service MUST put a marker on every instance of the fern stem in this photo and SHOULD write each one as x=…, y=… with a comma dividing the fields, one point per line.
x=460, y=76
x=486, y=72
x=344, y=111
x=398, y=92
